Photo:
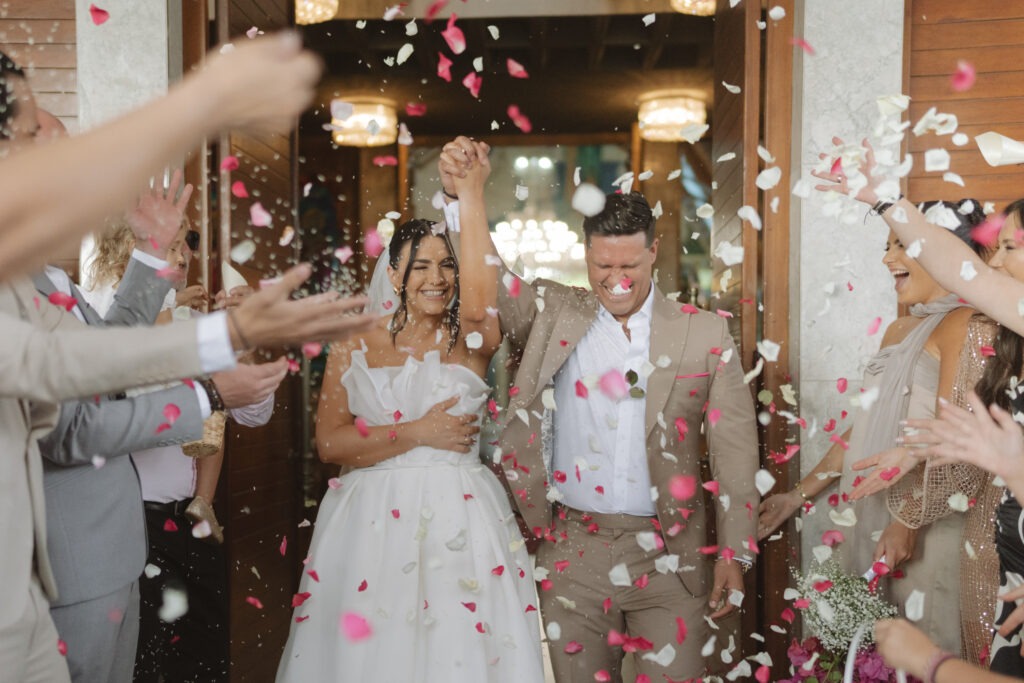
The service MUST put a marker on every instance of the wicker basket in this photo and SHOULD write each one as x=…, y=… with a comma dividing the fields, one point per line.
x=213, y=437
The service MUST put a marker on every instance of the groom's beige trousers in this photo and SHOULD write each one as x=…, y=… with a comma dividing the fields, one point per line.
x=576, y=601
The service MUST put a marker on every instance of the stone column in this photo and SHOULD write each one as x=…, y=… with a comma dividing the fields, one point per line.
x=840, y=285
x=129, y=59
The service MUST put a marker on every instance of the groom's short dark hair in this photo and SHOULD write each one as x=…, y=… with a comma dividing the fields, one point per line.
x=623, y=214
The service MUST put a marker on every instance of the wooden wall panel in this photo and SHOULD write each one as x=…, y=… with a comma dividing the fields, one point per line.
x=990, y=37
x=736, y=130
x=40, y=36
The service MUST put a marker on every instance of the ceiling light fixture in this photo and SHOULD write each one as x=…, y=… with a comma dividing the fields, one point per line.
x=663, y=116
x=367, y=122
x=315, y=11
x=700, y=8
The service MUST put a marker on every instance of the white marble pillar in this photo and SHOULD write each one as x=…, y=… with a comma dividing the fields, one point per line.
x=128, y=60
x=840, y=285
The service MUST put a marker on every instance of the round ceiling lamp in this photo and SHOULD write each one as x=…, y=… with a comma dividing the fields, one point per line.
x=363, y=122
x=700, y=8
x=315, y=11
x=664, y=117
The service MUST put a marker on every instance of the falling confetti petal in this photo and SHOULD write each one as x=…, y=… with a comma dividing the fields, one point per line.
x=243, y=251
x=355, y=627
x=515, y=69
x=61, y=299
x=474, y=340
x=472, y=82
x=255, y=602
x=361, y=427
x=963, y=78
x=388, y=160
x=682, y=486
x=873, y=327
x=454, y=37
x=803, y=45
x=372, y=244
x=613, y=385
x=521, y=120
x=99, y=16
x=287, y=235
x=588, y=199
x=444, y=67
x=230, y=163
x=238, y=190
x=416, y=109
x=259, y=216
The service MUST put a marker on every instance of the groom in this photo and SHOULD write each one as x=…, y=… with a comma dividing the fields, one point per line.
x=601, y=448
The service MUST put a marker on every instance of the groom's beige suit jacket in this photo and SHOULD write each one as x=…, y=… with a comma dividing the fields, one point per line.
x=697, y=373
x=47, y=356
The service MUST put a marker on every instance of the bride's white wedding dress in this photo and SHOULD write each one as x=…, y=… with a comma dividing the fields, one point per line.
x=424, y=546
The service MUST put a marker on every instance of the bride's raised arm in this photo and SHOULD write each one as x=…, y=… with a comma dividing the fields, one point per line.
x=943, y=254
x=478, y=259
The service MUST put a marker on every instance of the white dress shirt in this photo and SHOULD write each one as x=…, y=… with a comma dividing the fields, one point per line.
x=600, y=444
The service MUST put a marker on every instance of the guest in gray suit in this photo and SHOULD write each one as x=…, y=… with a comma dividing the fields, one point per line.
x=47, y=356
x=95, y=522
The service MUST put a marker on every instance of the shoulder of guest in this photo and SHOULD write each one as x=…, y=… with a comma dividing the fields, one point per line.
x=951, y=332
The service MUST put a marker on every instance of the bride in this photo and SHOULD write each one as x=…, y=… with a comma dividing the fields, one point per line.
x=417, y=571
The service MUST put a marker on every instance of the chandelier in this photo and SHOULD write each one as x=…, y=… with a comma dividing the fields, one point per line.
x=367, y=122
x=315, y=11
x=701, y=8
x=663, y=116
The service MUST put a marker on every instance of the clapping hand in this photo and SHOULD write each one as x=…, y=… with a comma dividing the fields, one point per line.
x=987, y=438
x=156, y=218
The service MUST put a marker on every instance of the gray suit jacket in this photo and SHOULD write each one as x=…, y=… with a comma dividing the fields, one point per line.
x=96, y=530
x=47, y=356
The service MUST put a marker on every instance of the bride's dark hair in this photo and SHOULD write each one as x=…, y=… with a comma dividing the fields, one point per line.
x=413, y=232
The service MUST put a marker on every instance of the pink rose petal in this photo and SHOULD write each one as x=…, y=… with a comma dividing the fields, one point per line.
x=255, y=602
x=98, y=16
x=803, y=45
x=581, y=389
x=832, y=537
x=763, y=674
x=170, y=526
x=887, y=475
x=841, y=385
x=433, y=10
x=62, y=648
x=873, y=327
x=372, y=244
x=613, y=385
x=471, y=606
x=259, y=216
x=712, y=486
x=313, y=575
x=61, y=299
x=713, y=416
x=682, y=486
x=230, y=163
x=515, y=69
x=361, y=427
x=172, y=412
x=415, y=109
x=521, y=120
x=987, y=234
x=354, y=626
x=680, y=630
x=312, y=349
x=573, y=648
x=293, y=366
x=299, y=598
x=681, y=427
x=284, y=546
x=963, y=78
x=388, y=160
x=334, y=483
x=453, y=35
x=514, y=288
x=444, y=67
x=472, y=82
x=238, y=190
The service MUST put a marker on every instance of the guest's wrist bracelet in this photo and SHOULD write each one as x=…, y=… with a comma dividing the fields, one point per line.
x=799, y=488
x=938, y=658
x=881, y=206
x=449, y=195
x=216, y=401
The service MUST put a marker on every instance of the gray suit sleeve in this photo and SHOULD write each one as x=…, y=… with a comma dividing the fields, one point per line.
x=139, y=297
x=107, y=428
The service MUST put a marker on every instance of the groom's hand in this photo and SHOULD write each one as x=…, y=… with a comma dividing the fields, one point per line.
x=728, y=577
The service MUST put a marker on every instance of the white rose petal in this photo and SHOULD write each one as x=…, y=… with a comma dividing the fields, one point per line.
x=960, y=139
x=202, y=529
x=664, y=656
x=734, y=89
x=645, y=539
x=728, y=156
x=588, y=200
x=846, y=518
x=705, y=211
x=474, y=340
x=152, y=571
x=764, y=481
x=341, y=110
x=915, y=605
x=769, y=178
x=765, y=155
x=667, y=564
x=243, y=251
x=674, y=174
x=769, y=350
x=959, y=502
x=554, y=631
x=495, y=33
x=803, y=188
x=954, y=178
x=619, y=575
x=822, y=553
x=936, y=160
x=730, y=255
x=648, y=19
x=749, y=214
x=777, y=13
x=547, y=398
x=522, y=192
x=175, y=605
x=967, y=271
x=693, y=132
x=914, y=250
x=404, y=53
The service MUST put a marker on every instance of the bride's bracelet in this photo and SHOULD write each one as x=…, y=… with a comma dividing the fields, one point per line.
x=799, y=488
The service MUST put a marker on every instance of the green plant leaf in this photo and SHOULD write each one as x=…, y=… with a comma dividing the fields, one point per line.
x=636, y=392
x=632, y=377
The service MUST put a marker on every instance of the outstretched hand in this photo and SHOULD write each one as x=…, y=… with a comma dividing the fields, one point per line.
x=458, y=158
x=990, y=439
x=838, y=180
x=156, y=218
x=890, y=465
x=270, y=318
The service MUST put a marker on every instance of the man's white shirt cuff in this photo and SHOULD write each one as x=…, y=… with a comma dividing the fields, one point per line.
x=205, y=409
x=149, y=260
x=214, y=341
